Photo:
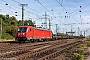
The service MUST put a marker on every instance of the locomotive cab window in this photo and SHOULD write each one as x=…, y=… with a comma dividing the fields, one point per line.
x=22, y=29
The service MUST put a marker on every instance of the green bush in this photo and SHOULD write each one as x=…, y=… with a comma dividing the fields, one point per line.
x=88, y=42
x=6, y=36
x=75, y=54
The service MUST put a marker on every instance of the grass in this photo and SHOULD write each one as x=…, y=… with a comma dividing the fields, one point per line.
x=79, y=52
x=7, y=36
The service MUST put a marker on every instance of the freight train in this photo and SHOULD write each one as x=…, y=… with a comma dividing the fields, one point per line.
x=30, y=33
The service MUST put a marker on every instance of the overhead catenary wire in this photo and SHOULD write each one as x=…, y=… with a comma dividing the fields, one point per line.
x=10, y=7
x=78, y=6
x=44, y=7
x=30, y=14
x=28, y=7
x=66, y=10
x=55, y=11
x=82, y=7
x=19, y=8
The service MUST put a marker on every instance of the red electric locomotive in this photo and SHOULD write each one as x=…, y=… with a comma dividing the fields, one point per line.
x=29, y=33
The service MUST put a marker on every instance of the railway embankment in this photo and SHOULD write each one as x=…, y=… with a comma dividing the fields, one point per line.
x=37, y=51
x=88, y=49
x=79, y=52
x=53, y=50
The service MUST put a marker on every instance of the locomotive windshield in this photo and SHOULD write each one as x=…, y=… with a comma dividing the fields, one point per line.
x=22, y=29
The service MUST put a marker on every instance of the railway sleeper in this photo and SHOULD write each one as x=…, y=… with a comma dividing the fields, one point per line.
x=23, y=56
x=53, y=50
x=32, y=54
x=10, y=54
x=53, y=55
x=44, y=52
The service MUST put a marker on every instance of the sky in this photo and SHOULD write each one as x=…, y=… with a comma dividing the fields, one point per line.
x=67, y=14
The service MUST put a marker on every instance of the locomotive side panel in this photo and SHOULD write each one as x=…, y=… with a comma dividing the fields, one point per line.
x=30, y=33
x=38, y=33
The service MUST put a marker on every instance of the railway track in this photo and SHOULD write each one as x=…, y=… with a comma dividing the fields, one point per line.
x=38, y=51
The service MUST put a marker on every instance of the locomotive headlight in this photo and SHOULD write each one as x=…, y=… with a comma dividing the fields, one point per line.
x=24, y=34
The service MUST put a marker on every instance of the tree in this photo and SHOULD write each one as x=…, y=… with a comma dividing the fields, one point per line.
x=9, y=26
x=26, y=23
x=19, y=23
x=13, y=21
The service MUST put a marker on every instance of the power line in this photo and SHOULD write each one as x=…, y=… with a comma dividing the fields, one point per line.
x=10, y=6
x=35, y=10
x=16, y=1
x=17, y=7
x=29, y=9
x=44, y=6
x=81, y=8
x=66, y=10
